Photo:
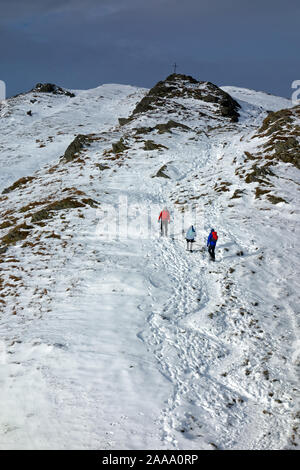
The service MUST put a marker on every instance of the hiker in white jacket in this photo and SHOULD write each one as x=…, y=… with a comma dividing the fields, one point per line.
x=190, y=238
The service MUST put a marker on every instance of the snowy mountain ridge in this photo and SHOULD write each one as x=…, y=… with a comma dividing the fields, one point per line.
x=120, y=339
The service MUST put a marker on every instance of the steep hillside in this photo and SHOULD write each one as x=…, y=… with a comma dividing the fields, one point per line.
x=29, y=141
x=259, y=99
x=132, y=342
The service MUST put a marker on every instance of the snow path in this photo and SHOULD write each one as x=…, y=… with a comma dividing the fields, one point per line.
x=189, y=353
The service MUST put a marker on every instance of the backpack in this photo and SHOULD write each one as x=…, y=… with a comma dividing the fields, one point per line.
x=214, y=236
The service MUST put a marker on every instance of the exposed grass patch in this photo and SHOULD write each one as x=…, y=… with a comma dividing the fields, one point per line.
x=53, y=235
x=276, y=199
x=31, y=206
x=18, y=233
x=7, y=224
x=20, y=183
x=260, y=192
x=66, y=203
x=249, y=156
x=74, y=191
x=258, y=173
x=283, y=131
x=222, y=187
x=274, y=122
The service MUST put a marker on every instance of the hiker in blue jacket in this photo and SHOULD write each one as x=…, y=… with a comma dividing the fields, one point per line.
x=211, y=243
x=190, y=237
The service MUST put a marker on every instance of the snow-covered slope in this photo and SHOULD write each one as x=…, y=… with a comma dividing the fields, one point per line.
x=115, y=338
x=258, y=98
x=30, y=141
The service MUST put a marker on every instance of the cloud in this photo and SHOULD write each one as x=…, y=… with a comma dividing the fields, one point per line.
x=86, y=42
x=16, y=10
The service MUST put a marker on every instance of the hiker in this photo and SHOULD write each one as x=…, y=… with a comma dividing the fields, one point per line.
x=164, y=218
x=211, y=243
x=190, y=238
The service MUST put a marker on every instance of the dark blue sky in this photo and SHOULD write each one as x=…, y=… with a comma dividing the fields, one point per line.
x=82, y=44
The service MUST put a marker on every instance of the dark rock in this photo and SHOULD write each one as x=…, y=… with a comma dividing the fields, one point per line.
x=161, y=173
x=123, y=121
x=146, y=104
x=102, y=167
x=150, y=145
x=237, y=194
x=75, y=146
x=52, y=88
x=178, y=76
x=162, y=128
x=143, y=130
x=119, y=146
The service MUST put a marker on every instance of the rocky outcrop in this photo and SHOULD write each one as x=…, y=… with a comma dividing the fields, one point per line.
x=52, y=88
x=75, y=147
x=168, y=126
x=119, y=147
x=258, y=174
x=162, y=128
x=185, y=86
x=151, y=145
x=161, y=173
x=282, y=128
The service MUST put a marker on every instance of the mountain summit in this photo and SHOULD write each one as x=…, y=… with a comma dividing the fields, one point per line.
x=169, y=96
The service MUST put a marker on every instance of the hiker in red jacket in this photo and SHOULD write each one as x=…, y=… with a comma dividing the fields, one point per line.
x=164, y=218
x=211, y=243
